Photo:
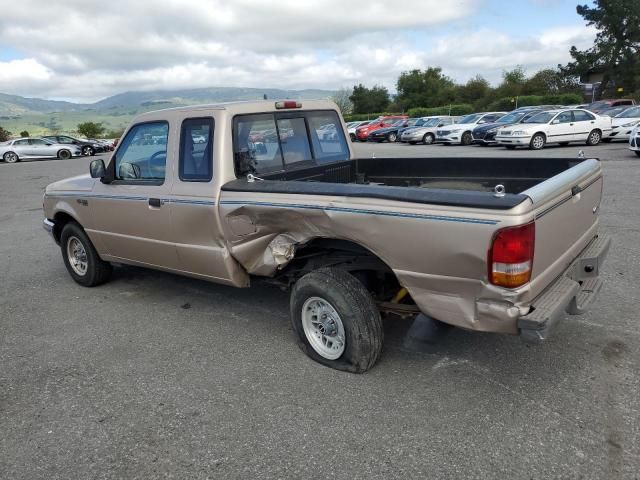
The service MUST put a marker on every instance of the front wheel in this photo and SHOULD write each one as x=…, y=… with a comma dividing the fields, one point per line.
x=428, y=138
x=336, y=321
x=80, y=257
x=11, y=157
x=88, y=151
x=392, y=137
x=594, y=137
x=537, y=142
x=352, y=136
x=466, y=139
x=64, y=154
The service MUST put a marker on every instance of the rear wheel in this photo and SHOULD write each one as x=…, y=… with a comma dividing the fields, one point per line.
x=64, y=154
x=392, y=137
x=594, y=137
x=352, y=136
x=336, y=320
x=428, y=138
x=80, y=257
x=537, y=142
x=11, y=157
x=466, y=139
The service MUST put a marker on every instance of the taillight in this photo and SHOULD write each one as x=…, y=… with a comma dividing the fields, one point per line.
x=511, y=256
x=288, y=104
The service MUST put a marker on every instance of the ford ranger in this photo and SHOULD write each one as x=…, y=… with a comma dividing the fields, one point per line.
x=505, y=245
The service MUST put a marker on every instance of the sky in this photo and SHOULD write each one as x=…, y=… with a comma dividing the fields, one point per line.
x=84, y=50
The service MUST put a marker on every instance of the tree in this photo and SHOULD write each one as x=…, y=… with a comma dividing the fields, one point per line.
x=342, y=100
x=429, y=88
x=4, y=135
x=548, y=82
x=476, y=91
x=90, y=129
x=369, y=100
x=616, y=49
x=24, y=133
x=513, y=82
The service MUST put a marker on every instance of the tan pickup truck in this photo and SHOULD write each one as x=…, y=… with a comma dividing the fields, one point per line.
x=231, y=192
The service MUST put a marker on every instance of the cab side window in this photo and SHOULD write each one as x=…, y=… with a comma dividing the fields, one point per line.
x=581, y=116
x=196, y=150
x=142, y=156
x=565, y=117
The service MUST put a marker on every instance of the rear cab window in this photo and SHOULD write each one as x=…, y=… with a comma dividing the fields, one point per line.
x=280, y=141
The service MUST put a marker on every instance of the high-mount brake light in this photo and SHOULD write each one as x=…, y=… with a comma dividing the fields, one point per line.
x=511, y=256
x=288, y=104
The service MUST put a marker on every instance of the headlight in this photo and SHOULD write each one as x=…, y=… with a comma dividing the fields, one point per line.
x=455, y=130
x=518, y=132
x=492, y=130
x=631, y=124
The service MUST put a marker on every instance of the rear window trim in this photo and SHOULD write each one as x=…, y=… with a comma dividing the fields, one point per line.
x=180, y=150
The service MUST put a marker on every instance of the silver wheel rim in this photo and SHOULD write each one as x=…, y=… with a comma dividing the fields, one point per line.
x=87, y=150
x=595, y=137
x=77, y=256
x=428, y=139
x=538, y=141
x=392, y=137
x=11, y=157
x=323, y=328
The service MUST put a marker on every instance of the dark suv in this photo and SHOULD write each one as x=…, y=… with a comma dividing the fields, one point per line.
x=88, y=147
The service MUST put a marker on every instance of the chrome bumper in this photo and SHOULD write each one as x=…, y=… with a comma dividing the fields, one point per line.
x=48, y=225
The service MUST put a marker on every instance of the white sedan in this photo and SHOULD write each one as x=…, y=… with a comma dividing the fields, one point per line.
x=634, y=140
x=461, y=132
x=623, y=123
x=556, y=126
x=31, y=148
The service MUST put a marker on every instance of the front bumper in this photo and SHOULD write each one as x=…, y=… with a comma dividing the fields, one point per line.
x=454, y=137
x=571, y=293
x=48, y=225
x=513, y=140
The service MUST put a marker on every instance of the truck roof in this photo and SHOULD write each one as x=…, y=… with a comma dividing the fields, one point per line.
x=241, y=107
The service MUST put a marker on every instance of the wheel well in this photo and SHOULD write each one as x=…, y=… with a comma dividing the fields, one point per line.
x=539, y=133
x=61, y=219
x=365, y=265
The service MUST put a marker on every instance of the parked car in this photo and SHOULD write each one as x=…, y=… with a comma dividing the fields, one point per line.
x=486, y=134
x=381, y=122
x=460, y=133
x=389, y=134
x=339, y=232
x=600, y=105
x=36, y=148
x=427, y=132
x=88, y=147
x=623, y=124
x=613, y=111
x=353, y=126
x=634, y=140
x=556, y=126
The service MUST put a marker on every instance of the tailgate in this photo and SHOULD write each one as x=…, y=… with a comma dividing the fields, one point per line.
x=566, y=214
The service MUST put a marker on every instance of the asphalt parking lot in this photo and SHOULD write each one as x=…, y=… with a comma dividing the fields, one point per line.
x=155, y=375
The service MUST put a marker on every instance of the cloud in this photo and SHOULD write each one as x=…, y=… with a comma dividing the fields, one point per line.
x=81, y=50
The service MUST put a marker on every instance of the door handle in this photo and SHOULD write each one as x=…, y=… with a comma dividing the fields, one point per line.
x=155, y=202
x=571, y=124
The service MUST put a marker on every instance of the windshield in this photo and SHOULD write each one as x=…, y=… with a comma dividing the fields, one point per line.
x=542, y=117
x=473, y=118
x=513, y=117
x=633, y=112
x=432, y=122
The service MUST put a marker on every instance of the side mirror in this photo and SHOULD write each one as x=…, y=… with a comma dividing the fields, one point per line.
x=97, y=169
x=555, y=122
x=441, y=125
x=129, y=171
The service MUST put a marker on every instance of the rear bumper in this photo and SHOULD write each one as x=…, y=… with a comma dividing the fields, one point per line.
x=571, y=293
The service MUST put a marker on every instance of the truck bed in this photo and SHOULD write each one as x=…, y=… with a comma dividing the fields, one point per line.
x=462, y=182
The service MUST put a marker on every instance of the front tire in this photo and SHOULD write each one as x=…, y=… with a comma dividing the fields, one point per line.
x=88, y=151
x=11, y=157
x=352, y=136
x=80, y=257
x=466, y=138
x=64, y=154
x=428, y=138
x=537, y=142
x=392, y=137
x=594, y=137
x=336, y=321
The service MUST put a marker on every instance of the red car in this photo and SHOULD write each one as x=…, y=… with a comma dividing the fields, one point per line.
x=381, y=122
x=600, y=105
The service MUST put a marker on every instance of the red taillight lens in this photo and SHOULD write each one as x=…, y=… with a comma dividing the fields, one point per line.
x=288, y=104
x=511, y=256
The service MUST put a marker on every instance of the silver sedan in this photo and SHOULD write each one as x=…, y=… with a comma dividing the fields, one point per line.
x=33, y=148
